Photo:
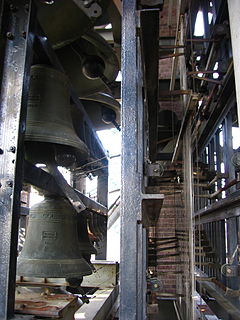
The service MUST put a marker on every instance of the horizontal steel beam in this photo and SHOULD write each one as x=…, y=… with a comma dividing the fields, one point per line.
x=45, y=181
x=220, y=297
x=224, y=208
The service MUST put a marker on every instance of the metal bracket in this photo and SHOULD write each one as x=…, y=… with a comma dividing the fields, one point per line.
x=153, y=169
x=89, y=7
x=229, y=270
x=151, y=207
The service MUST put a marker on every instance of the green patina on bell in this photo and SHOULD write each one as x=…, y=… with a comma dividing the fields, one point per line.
x=49, y=129
x=52, y=248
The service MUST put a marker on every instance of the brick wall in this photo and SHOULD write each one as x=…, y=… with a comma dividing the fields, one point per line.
x=170, y=231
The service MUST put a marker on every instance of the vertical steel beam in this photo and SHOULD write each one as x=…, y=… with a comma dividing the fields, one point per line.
x=131, y=171
x=15, y=47
x=188, y=197
x=234, y=18
x=102, y=197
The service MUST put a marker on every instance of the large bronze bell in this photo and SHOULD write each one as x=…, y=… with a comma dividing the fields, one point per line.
x=51, y=248
x=50, y=135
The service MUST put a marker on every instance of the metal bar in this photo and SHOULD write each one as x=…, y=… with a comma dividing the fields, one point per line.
x=17, y=42
x=43, y=180
x=202, y=71
x=132, y=163
x=193, y=99
x=188, y=191
x=174, y=93
x=172, y=47
x=150, y=46
x=66, y=189
x=220, y=297
x=232, y=242
x=171, y=55
x=234, y=16
x=102, y=197
x=207, y=79
x=220, y=210
x=202, y=40
x=140, y=272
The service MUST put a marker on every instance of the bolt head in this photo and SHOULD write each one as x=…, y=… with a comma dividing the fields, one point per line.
x=9, y=183
x=9, y=35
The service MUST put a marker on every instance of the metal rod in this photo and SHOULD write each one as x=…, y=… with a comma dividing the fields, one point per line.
x=207, y=79
x=172, y=55
x=202, y=40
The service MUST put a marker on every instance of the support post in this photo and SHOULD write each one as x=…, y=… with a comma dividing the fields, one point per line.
x=188, y=200
x=234, y=17
x=132, y=288
x=102, y=198
x=16, y=48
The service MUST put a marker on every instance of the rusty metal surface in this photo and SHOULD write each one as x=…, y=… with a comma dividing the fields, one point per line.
x=133, y=253
x=16, y=43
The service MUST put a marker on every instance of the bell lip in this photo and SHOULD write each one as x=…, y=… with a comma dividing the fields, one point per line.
x=24, y=264
x=30, y=136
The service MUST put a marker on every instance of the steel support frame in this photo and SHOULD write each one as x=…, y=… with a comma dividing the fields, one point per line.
x=102, y=198
x=234, y=16
x=133, y=235
x=188, y=200
x=16, y=48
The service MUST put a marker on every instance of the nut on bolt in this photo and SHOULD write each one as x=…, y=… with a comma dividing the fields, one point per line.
x=12, y=7
x=12, y=149
x=9, y=35
x=9, y=183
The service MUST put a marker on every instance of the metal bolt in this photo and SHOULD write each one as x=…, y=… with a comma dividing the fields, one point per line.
x=12, y=149
x=48, y=1
x=87, y=3
x=13, y=7
x=9, y=183
x=9, y=35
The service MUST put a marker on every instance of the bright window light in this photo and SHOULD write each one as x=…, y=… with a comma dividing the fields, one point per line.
x=119, y=77
x=215, y=74
x=235, y=137
x=199, y=25
x=108, y=26
x=210, y=16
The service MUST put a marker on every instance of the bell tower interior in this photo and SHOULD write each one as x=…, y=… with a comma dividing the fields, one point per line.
x=119, y=159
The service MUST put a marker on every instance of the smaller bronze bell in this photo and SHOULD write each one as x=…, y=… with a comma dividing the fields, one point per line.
x=51, y=248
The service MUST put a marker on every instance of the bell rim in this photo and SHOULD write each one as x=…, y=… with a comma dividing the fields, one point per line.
x=24, y=264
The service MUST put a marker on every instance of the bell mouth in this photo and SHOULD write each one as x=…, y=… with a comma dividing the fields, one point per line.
x=63, y=155
x=50, y=268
